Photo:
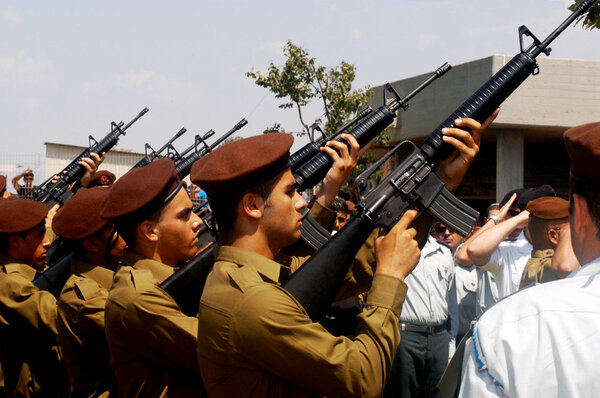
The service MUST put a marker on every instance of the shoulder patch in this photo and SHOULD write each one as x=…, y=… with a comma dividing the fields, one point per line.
x=87, y=288
x=142, y=279
x=245, y=278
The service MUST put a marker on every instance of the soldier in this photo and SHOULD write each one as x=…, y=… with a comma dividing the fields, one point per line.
x=152, y=343
x=31, y=362
x=543, y=341
x=81, y=303
x=256, y=340
x=548, y=216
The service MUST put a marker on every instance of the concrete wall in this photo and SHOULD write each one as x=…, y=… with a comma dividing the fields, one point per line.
x=58, y=156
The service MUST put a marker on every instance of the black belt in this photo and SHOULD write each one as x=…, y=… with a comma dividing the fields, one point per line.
x=407, y=327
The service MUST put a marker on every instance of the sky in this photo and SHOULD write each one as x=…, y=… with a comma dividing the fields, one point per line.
x=69, y=68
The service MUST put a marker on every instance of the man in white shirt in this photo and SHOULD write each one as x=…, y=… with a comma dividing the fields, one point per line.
x=428, y=325
x=543, y=341
x=502, y=246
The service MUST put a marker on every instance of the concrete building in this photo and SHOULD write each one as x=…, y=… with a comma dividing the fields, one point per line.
x=58, y=156
x=523, y=148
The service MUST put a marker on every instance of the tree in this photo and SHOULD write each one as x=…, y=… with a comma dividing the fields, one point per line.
x=301, y=80
x=592, y=19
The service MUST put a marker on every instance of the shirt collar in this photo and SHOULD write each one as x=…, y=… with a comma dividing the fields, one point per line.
x=247, y=258
x=12, y=266
x=103, y=276
x=160, y=271
x=591, y=268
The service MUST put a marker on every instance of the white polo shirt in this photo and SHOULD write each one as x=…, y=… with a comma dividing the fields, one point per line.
x=507, y=263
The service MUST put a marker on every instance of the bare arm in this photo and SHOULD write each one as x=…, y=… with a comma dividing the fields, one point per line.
x=481, y=248
x=15, y=180
x=462, y=256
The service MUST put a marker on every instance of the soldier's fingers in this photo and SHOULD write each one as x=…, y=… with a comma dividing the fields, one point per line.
x=457, y=144
x=354, y=145
x=331, y=152
x=407, y=218
x=341, y=147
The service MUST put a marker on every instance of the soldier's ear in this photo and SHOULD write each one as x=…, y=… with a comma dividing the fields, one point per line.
x=252, y=205
x=148, y=230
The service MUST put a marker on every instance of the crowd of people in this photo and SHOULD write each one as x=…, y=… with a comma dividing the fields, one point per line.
x=511, y=305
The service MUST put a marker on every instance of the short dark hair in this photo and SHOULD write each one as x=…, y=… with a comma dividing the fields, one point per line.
x=127, y=224
x=591, y=194
x=224, y=207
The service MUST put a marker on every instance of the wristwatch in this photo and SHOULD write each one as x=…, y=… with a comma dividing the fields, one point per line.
x=495, y=218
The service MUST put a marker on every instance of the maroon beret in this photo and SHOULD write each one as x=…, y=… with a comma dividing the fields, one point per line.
x=140, y=187
x=243, y=164
x=80, y=217
x=549, y=208
x=19, y=215
x=2, y=183
x=102, y=177
x=583, y=145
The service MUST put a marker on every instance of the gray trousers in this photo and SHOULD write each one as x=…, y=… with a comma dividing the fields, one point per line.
x=419, y=364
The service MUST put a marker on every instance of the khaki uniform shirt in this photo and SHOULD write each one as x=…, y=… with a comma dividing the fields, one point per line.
x=152, y=343
x=256, y=340
x=81, y=330
x=29, y=355
x=538, y=268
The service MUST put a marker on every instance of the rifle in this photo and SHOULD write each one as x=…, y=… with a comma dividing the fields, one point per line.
x=184, y=166
x=366, y=126
x=54, y=278
x=52, y=192
x=150, y=154
x=311, y=149
x=413, y=182
x=184, y=285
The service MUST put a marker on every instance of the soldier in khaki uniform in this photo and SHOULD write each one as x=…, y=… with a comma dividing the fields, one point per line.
x=152, y=343
x=255, y=339
x=82, y=300
x=30, y=359
x=548, y=223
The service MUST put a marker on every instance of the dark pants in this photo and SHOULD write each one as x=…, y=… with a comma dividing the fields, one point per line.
x=419, y=364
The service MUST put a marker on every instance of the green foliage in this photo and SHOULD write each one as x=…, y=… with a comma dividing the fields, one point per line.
x=275, y=128
x=301, y=79
x=592, y=19
x=231, y=139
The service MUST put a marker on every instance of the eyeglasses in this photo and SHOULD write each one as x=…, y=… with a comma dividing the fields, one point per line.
x=441, y=229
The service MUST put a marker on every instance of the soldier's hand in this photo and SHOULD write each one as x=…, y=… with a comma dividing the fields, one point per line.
x=454, y=167
x=397, y=251
x=91, y=165
x=344, y=161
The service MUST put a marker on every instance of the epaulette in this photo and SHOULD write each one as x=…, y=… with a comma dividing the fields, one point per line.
x=245, y=278
x=142, y=279
x=86, y=288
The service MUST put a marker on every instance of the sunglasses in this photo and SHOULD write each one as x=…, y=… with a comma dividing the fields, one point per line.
x=441, y=229
x=513, y=212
